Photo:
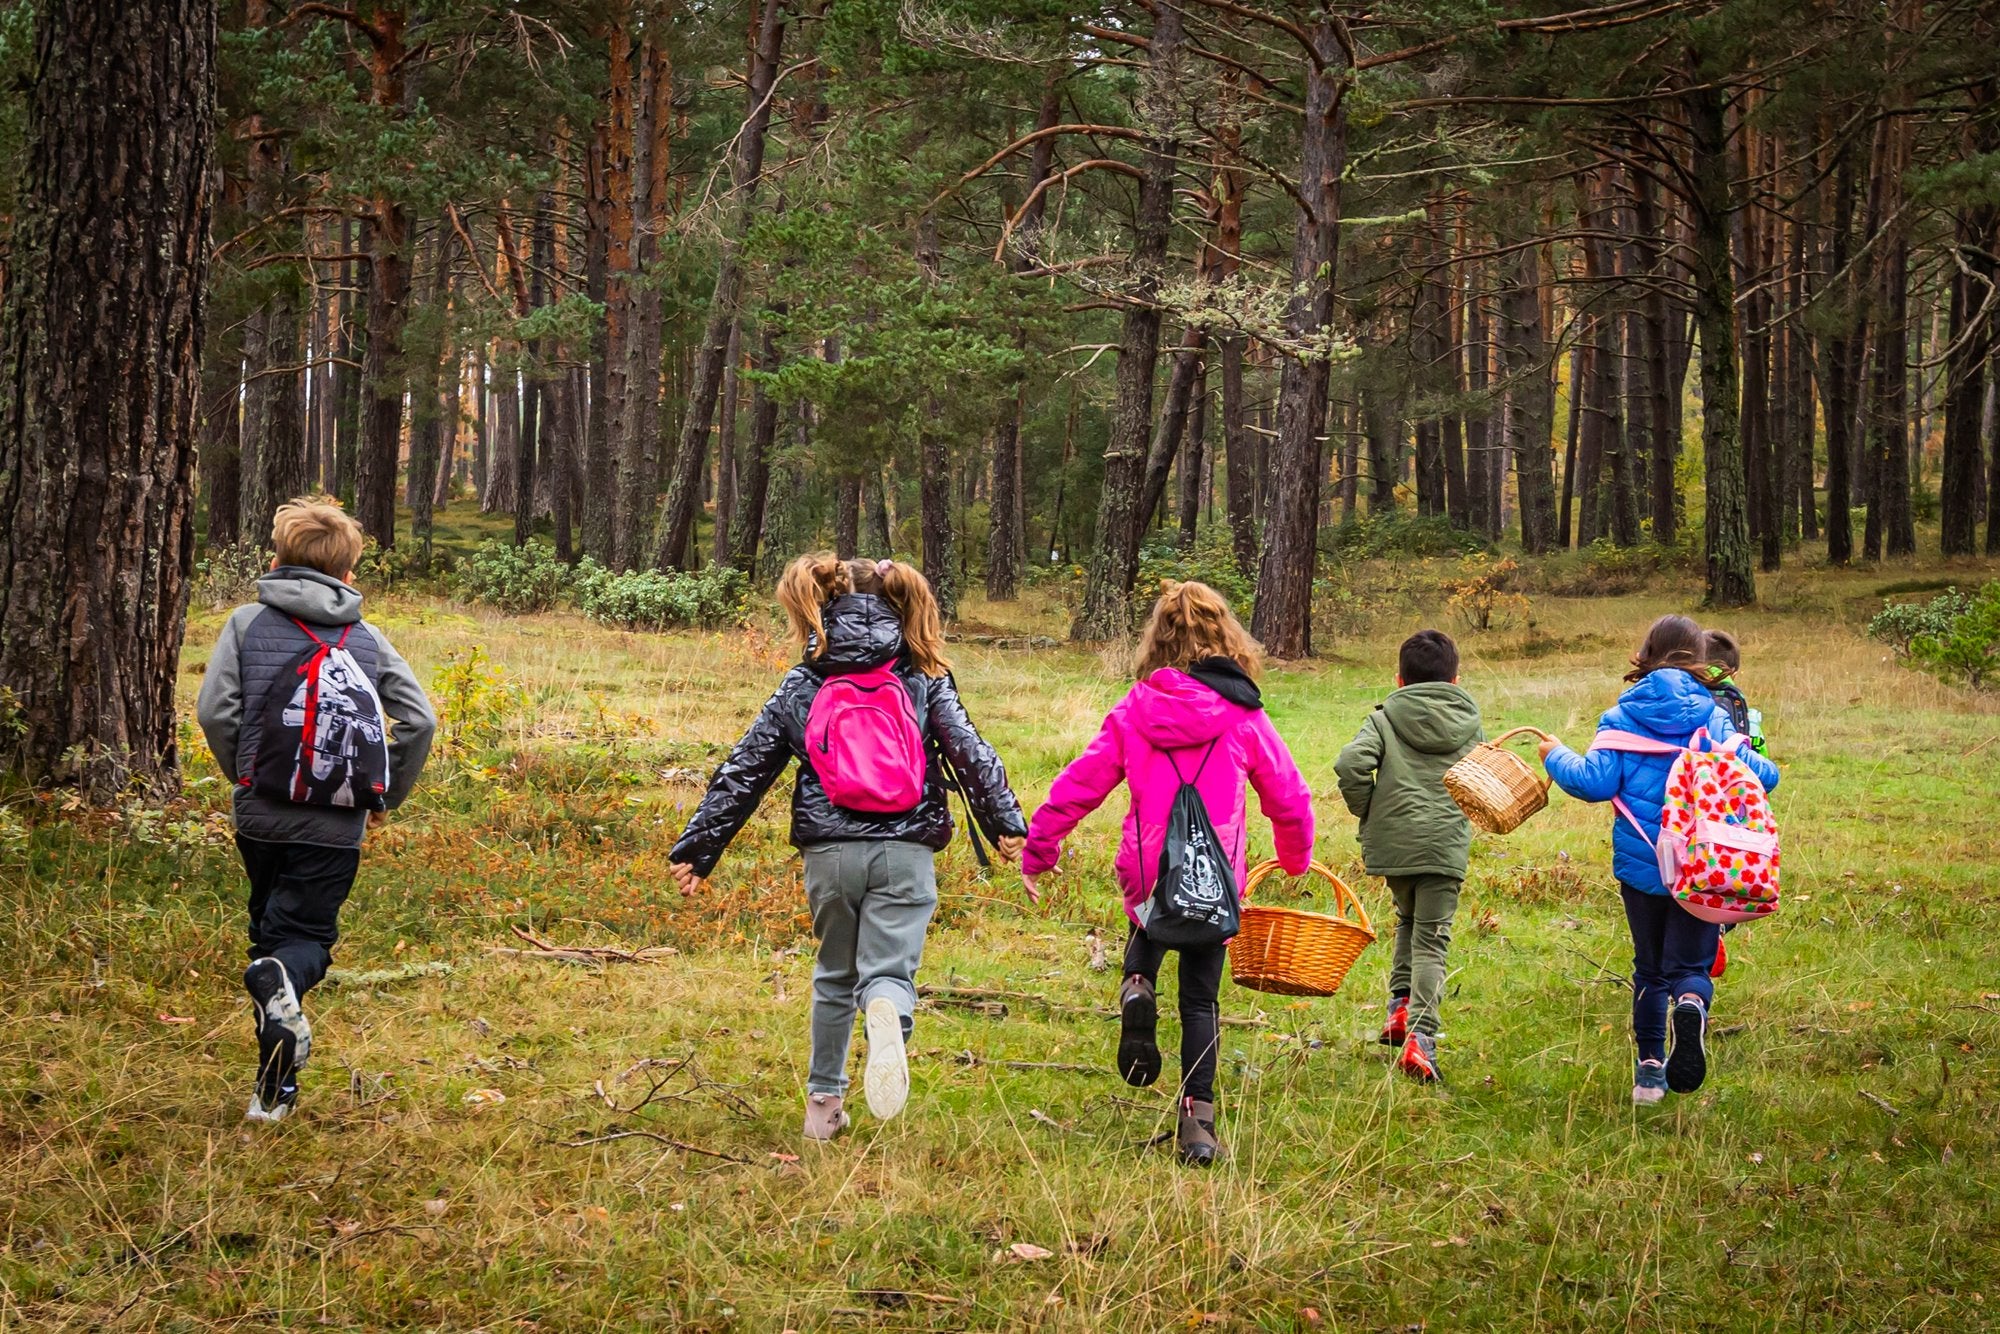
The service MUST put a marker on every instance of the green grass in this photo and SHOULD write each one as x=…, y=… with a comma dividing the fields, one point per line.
x=1528, y=1193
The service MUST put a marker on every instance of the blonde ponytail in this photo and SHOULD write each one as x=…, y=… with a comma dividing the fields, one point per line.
x=805, y=588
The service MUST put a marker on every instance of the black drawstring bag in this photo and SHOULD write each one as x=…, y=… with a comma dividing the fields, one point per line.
x=1193, y=903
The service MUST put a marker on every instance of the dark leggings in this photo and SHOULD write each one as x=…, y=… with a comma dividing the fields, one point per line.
x=1672, y=951
x=1201, y=977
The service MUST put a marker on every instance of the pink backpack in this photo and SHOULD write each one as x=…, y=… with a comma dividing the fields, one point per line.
x=864, y=743
x=1718, y=844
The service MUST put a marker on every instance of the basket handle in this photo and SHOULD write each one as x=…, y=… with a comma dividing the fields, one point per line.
x=1513, y=732
x=1346, y=903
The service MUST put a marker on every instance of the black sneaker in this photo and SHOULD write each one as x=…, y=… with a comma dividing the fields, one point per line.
x=1138, y=1042
x=1687, y=1063
x=284, y=1039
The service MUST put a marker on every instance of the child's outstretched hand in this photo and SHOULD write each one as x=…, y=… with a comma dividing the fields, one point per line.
x=684, y=876
x=1028, y=883
x=1549, y=743
x=1010, y=847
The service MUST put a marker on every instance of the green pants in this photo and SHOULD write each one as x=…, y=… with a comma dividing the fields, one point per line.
x=1424, y=908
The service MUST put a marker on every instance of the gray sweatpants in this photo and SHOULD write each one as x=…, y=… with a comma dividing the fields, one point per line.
x=871, y=903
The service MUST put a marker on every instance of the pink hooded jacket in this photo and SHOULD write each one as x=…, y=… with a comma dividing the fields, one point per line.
x=1172, y=713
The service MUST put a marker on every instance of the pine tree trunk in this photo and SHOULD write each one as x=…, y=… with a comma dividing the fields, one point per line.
x=1106, y=611
x=1970, y=336
x=746, y=171
x=725, y=444
x=1006, y=537
x=1731, y=582
x=748, y=526
x=350, y=345
x=1169, y=433
x=1479, y=416
x=1239, y=458
x=1530, y=401
x=1194, y=449
x=429, y=425
x=1838, y=374
x=598, y=519
x=1383, y=423
x=624, y=177
x=100, y=340
x=222, y=436
x=1573, y=451
x=1283, y=617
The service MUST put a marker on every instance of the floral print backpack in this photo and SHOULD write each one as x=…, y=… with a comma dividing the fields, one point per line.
x=1718, y=844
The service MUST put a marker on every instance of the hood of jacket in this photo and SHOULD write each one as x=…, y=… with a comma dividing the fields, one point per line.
x=1173, y=711
x=1435, y=717
x=1226, y=677
x=315, y=598
x=1669, y=703
x=862, y=632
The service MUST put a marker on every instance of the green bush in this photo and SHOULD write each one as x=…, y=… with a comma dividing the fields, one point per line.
x=649, y=600
x=1402, y=533
x=1212, y=562
x=225, y=576
x=1900, y=624
x=1605, y=569
x=1968, y=648
x=516, y=579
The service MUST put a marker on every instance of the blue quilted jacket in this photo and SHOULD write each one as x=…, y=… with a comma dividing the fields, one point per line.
x=1668, y=705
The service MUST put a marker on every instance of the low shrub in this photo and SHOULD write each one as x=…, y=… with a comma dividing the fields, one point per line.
x=1968, y=647
x=226, y=576
x=650, y=600
x=516, y=579
x=1899, y=624
x=1605, y=569
x=1485, y=596
x=1401, y=533
x=1212, y=562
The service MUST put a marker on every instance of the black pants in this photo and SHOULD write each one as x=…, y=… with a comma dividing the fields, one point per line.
x=1672, y=952
x=1201, y=977
x=296, y=890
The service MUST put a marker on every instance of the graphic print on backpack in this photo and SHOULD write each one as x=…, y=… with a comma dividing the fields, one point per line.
x=1194, y=897
x=324, y=744
x=864, y=742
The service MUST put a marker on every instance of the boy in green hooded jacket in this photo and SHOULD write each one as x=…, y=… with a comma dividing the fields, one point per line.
x=1412, y=833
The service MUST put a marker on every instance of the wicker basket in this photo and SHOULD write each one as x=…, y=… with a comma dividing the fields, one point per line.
x=1495, y=787
x=1295, y=953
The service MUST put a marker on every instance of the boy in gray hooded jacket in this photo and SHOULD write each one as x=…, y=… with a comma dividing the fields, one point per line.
x=302, y=853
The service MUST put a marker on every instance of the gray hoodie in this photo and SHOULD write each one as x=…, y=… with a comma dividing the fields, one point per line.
x=255, y=645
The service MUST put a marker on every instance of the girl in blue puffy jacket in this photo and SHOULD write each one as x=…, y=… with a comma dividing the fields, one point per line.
x=1672, y=949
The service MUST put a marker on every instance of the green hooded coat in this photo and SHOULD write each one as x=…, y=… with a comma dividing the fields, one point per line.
x=1392, y=777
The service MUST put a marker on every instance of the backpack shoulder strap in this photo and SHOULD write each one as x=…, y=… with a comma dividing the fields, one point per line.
x=1612, y=738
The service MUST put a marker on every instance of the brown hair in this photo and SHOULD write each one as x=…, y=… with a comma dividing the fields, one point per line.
x=1722, y=652
x=1192, y=621
x=811, y=581
x=1671, y=641
x=318, y=535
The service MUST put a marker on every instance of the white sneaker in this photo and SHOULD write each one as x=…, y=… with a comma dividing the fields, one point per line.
x=887, y=1079
x=284, y=1039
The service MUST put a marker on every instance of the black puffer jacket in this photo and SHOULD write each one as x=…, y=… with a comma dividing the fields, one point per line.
x=862, y=632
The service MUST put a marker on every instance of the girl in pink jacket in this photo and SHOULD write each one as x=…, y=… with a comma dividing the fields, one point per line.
x=1195, y=713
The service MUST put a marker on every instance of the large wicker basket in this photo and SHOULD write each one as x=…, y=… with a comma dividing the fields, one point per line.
x=1495, y=787
x=1295, y=953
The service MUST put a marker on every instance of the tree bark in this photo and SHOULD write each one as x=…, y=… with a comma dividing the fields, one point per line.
x=1106, y=611
x=1970, y=335
x=745, y=173
x=1169, y=433
x=1005, y=535
x=1731, y=582
x=1194, y=448
x=1283, y=617
x=1479, y=416
x=747, y=527
x=725, y=444
x=100, y=361
x=385, y=239
x=1530, y=395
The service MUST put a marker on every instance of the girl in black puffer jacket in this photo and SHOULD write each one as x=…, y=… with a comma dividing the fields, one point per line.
x=869, y=876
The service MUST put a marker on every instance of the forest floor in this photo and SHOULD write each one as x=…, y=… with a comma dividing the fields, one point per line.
x=493, y=1137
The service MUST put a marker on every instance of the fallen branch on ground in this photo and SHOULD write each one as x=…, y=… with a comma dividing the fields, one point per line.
x=1881, y=1102
x=682, y=1145
x=968, y=995
x=584, y=953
